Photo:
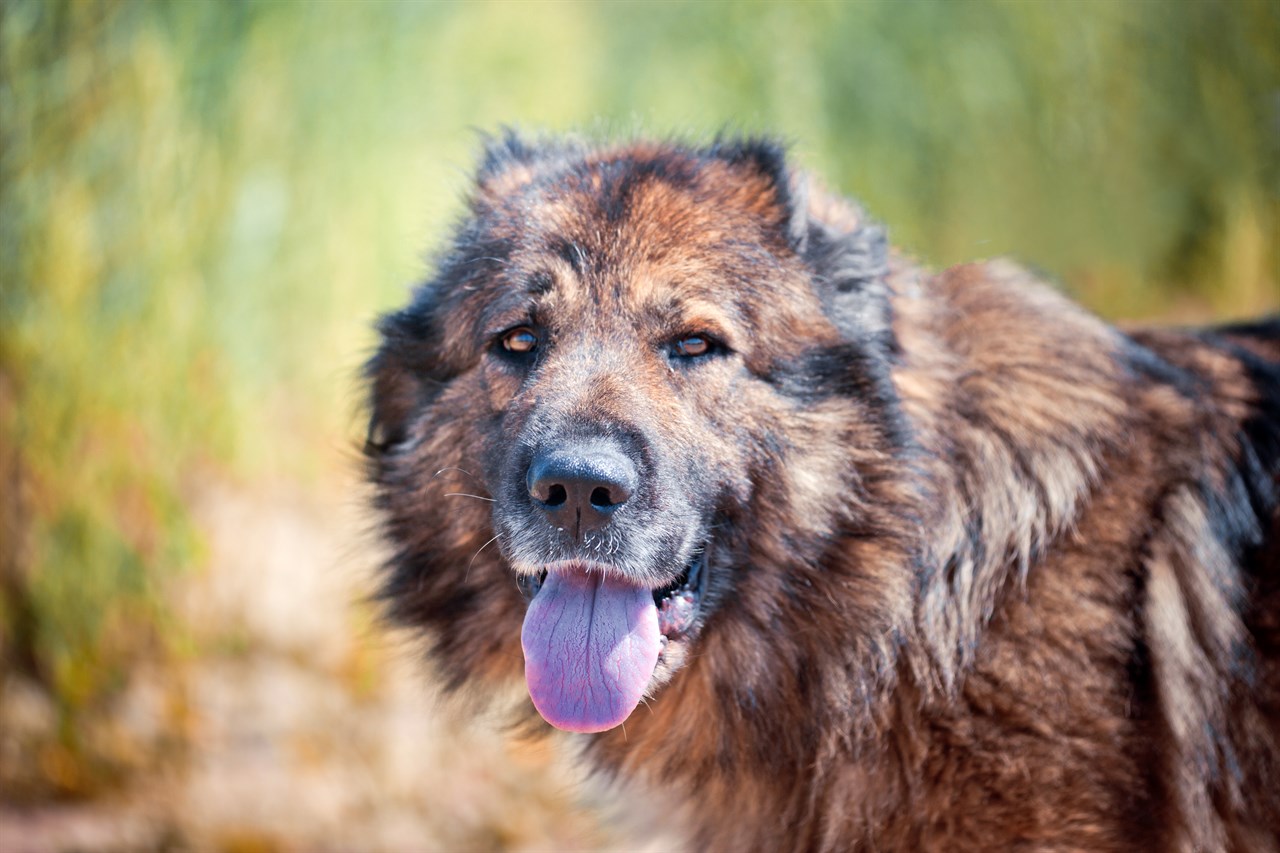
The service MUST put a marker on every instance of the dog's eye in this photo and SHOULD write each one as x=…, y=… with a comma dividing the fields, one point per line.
x=520, y=341
x=693, y=346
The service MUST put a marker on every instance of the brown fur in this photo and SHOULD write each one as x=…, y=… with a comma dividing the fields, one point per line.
x=985, y=572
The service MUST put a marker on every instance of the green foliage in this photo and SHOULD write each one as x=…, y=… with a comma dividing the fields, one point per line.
x=203, y=204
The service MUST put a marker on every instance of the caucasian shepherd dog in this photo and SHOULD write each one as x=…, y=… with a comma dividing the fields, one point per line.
x=836, y=551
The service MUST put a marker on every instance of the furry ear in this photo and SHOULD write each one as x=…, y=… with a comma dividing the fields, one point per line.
x=507, y=162
x=401, y=378
x=503, y=151
x=849, y=255
x=768, y=159
x=510, y=160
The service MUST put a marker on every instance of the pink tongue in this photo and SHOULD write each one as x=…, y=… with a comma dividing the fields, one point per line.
x=590, y=645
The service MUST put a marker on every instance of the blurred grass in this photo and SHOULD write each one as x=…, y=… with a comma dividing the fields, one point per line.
x=203, y=204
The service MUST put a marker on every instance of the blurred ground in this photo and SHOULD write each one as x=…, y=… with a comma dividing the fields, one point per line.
x=304, y=727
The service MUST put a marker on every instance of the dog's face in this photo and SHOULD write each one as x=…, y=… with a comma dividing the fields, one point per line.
x=630, y=349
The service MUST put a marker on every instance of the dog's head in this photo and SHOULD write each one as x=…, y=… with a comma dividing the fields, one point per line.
x=640, y=371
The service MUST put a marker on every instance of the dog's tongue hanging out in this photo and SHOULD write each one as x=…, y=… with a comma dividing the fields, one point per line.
x=591, y=643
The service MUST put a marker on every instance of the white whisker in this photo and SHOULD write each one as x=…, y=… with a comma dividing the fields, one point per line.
x=467, y=574
x=459, y=470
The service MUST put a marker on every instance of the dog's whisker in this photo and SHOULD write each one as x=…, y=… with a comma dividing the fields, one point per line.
x=467, y=574
x=466, y=495
x=459, y=470
x=502, y=262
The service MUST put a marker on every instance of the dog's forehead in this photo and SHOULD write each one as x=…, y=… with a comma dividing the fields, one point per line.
x=644, y=234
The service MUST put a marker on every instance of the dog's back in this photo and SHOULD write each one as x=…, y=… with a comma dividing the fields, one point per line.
x=1213, y=601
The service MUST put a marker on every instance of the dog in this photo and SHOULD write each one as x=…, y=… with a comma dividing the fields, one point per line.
x=835, y=551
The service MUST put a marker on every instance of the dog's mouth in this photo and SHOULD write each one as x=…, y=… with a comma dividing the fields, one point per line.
x=594, y=642
x=678, y=602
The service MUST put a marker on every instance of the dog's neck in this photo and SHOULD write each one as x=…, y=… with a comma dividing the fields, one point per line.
x=1017, y=420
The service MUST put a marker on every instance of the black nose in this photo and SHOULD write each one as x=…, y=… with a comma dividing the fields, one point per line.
x=580, y=487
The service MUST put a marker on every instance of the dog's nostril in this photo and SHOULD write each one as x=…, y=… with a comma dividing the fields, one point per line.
x=581, y=486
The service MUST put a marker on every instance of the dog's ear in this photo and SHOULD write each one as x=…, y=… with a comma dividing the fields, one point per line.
x=507, y=162
x=767, y=159
x=847, y=252
x=403, y=375
x=511, y=160
x=849, y=256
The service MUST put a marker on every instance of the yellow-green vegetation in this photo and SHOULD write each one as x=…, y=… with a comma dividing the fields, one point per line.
x=203, y=204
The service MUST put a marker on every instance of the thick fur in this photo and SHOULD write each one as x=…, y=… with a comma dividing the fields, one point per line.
x=986, y=573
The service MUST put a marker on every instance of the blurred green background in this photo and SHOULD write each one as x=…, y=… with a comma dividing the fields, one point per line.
x=203, y=205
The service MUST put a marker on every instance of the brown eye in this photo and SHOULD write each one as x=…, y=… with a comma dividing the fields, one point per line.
x=520, y=341
x=693, y=346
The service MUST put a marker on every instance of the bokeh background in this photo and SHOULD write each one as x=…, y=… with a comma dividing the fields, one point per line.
x=203, y=205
